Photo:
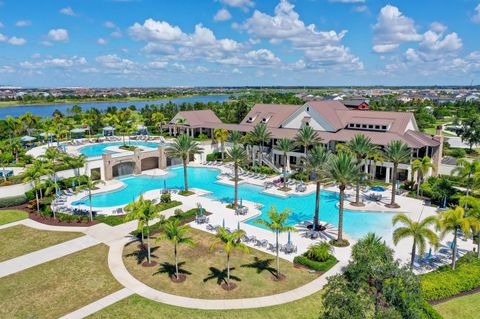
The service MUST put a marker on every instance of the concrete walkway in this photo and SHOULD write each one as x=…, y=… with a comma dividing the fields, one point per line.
x=41, y=256
x=99, y=304
x=115, y=263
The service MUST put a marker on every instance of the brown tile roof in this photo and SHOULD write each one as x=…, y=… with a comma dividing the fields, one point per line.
x=328, y=110
x=398, y=120
x=276, y=113
x=199, y=118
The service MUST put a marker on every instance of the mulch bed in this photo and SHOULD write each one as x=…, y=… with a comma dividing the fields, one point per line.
x=227, y=287
x=181, y=278
x=281, y=277
x=57, y=222
x=149, y=264
x=465, y=293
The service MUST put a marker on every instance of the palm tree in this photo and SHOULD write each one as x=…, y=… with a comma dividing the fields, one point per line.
x=285, y=146
x=422, y=167
x=176, y=234
x=34, y=174
x=362, y=148
x=467, y=171
x=238, y=155
x=454, y=220
x=52, y=157
x=221, y=136
x=89, y=184
x=342, y=169
x=396, y=152
x=305, y=137
x=158, y=118
x=235, y=137
x=183, y=147
x=261, y=135
x=5, y=158
x=230, y=242
x=419, y=231
x=134, y=212
x=144, y=211
x=277, y=225
x=75, y=162
x=472, y=208
x=316, y=165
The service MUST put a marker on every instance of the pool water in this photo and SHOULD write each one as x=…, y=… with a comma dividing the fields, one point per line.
x=356, y=224
x=99, y=149
x=377, y=188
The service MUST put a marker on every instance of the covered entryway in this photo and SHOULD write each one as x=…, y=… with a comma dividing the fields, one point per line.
x=149, y=163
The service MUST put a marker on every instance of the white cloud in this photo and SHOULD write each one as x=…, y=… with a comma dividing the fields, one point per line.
x=59, y=35
x=242, y=4
x=55, y=62
x=236, y=71
x=115, y=63
x=23, y=23
x=17, y=41
x=116, y=34
x=68, y=11
x=222, y=15
x=392, y=29
x=361, y=8
x=153, y=30
x=476, y=17
x=3, y=38
x=101, y=41
x=262, y=56
x=6, y=69
x=201, y=69
x=109, y=24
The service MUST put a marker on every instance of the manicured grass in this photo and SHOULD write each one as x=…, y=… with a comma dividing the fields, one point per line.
x=467, y=307
x=10, y=216
x=20, y=240
x=186, y=193
x=206, y=270
x=139, y=307
x=58, y=287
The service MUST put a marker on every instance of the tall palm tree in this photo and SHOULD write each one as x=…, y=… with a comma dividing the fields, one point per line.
x=260, y=136
x=53, y=157
x=468, y=171
x=89, y=184
x=144, y=211
x=235, y=137
x=342, y=169
x=285, y=146
x=306, y=137
x=183, y=147
x=454, y=220
x=221, y=136
x=34, y=174
x=316, y=165
x=134, y=212
x=277, y=223
x=75, y=163
x=229, y=242
x=362, y=148
x=176, y=234
x=238, y=156
x=396, y=152
x=422, y=166
x=472, y=208
x=421, y=233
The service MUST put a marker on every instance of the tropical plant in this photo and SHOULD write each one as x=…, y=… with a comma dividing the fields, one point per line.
x=144, y=211
x=454, y=220
x=316, y=165
x=235, y=137
x=396, y=152
x=75, y=162
x=472, y=209
x=362, y=148
x=183, y=147
x=422, y=166
x=342, y=169
x=238, y=156
x=260, y=135
x=177, y=235
x=229, y=242
x=320, y=251
x=421, y=233
x=221, y=136
x=467, y=171
x=5, y=158
x=88, y=183
x=277, y=223
x=33, y=174
x=306, y=137
x=285, y=146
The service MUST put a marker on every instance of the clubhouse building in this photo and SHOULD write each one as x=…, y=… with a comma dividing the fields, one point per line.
x=333, y=121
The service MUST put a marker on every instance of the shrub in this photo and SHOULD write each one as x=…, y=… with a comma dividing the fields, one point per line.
x=263, y=170
x=300, y=176
x=30, y=194
x=319, y=252
x=202, y=137
x=445, y=282
x=165, y=198
x=429, y=312
x=13, y=201
x=457, y=152
x=315, y=265
x=214, y=156
x=186, y=193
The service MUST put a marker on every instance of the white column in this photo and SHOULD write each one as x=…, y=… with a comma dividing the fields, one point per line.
x=387, y=175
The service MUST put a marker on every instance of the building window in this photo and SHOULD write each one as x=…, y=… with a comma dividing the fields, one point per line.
x=370, y=126
x=308, y=109
x=357, y=125
x=384, y=127
x=364, y=125
x=377, y=127
x=307, y=124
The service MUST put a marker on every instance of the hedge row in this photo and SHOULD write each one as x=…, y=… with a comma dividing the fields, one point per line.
x=315, y=265
x=445, y=282
x=12, y=201
x=429, y=312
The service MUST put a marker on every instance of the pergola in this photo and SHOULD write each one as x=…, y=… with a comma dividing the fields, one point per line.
x=108, y=131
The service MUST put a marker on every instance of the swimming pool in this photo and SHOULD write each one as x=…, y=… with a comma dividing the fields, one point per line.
x=356, y=224
x=99, y=149
x=377, y=188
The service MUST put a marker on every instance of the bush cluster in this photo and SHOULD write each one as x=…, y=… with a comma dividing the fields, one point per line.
x=165, y=198
x=214, y=156
x=13, y=201
x=315, y=265
x=445, y=282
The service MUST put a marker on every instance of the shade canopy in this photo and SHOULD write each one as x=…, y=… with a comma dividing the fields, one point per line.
x=27, y=138
x=78, y=130
x=108, y=128
x=46, y=134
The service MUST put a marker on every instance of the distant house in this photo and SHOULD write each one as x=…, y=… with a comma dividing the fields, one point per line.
x=356, y=104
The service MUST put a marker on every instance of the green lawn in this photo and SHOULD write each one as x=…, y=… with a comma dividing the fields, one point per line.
x=58, y=287
x=20, y=240
x=467, y=307
x=10, y=216
x=206, y=270
x=139, y=307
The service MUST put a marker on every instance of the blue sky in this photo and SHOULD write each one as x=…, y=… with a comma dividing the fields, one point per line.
x=239, y=42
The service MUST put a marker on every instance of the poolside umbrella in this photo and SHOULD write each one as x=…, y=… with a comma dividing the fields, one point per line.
x=429, y=253
x=27, y=138
x=452, y=245
x=164, y=184
x=241, y=202
x=444, y=200
x=73, y=183
x=201, y=210
x=289, y=239
x=223, y=223
x=238, y=225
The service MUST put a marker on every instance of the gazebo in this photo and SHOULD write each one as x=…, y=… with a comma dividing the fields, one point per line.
x=142, y=130
x=77, y=131
x=108, y=131
x=27, y=139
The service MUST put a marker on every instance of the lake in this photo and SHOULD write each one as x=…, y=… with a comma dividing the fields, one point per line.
x=48, y=109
